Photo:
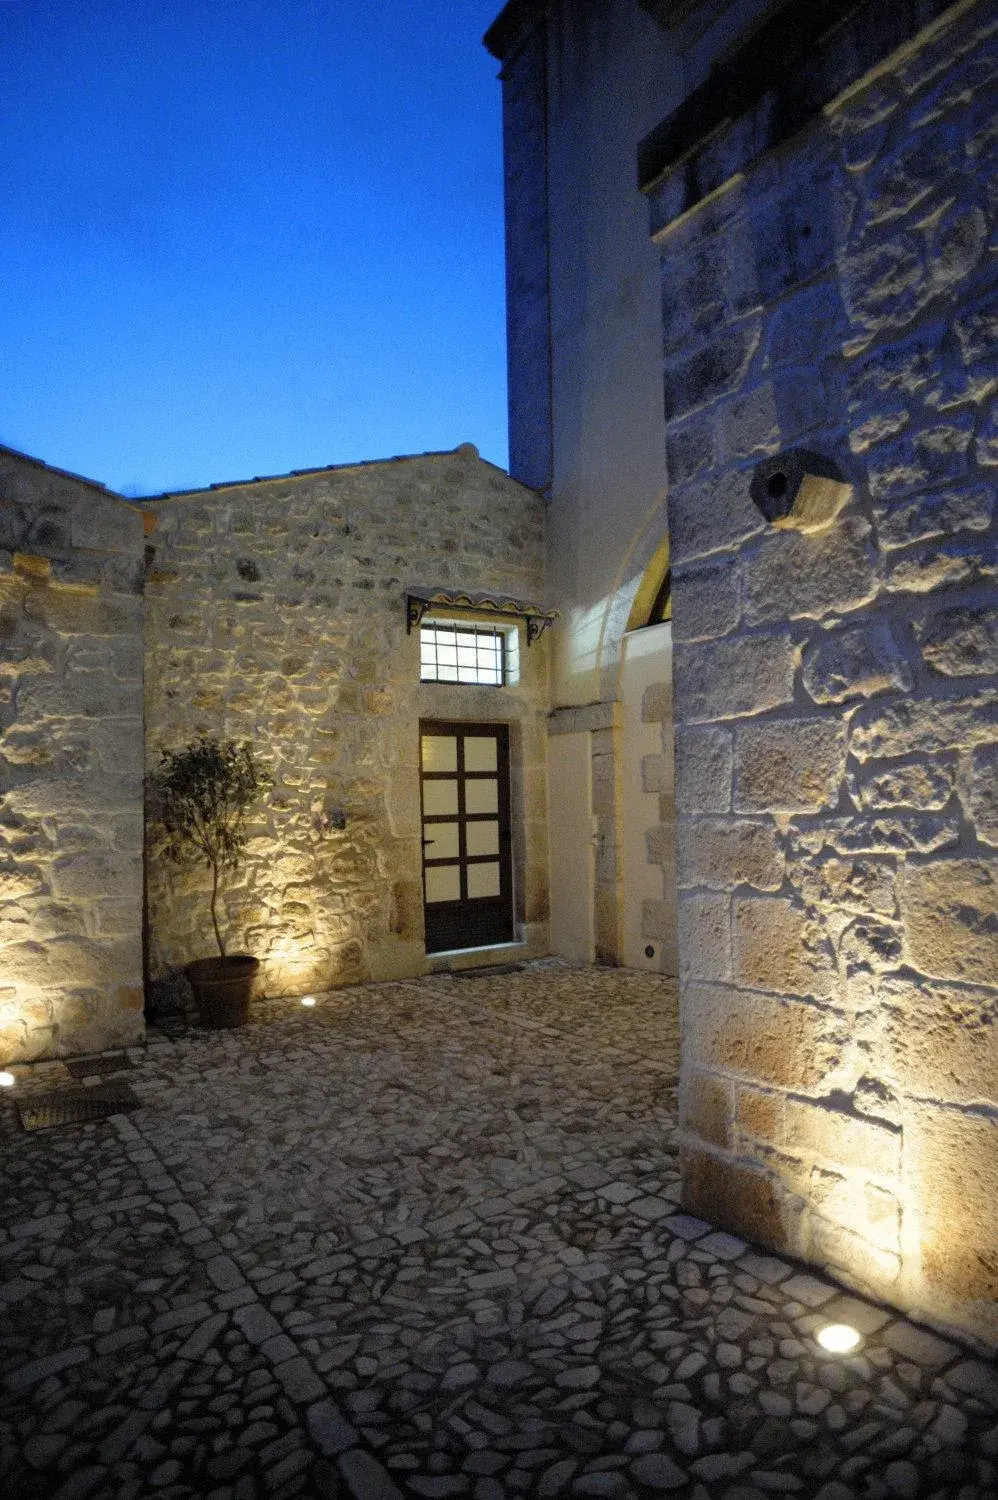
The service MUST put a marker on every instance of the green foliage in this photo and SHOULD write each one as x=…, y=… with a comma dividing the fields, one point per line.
x=200, y=797
x=204, y=793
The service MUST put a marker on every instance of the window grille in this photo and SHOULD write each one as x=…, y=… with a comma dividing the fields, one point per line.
x=462, y=653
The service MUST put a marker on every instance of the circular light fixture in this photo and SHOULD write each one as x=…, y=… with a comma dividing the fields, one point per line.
x=308, y=999
x=838, y=1338
x=7, y=1080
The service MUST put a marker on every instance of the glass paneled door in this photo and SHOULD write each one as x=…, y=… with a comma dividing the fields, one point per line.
x=467, y=867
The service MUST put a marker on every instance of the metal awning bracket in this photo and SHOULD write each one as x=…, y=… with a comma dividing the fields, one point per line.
x=535, y=617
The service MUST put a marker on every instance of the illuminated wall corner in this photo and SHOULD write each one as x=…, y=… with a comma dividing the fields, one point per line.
x=70, y=764
x=836, y=671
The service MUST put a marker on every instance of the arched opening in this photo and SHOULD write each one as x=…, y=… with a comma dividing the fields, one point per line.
x=653, y=600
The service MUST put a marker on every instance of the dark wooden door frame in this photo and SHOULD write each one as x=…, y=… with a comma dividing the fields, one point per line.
x=470, y=922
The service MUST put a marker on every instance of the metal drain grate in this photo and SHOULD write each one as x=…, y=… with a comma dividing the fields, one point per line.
x=90, y=1067
x=488, y=971
x=75, y=1106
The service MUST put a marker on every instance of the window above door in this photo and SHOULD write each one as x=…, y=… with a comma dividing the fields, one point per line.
x=462, y=652
x=535, y=618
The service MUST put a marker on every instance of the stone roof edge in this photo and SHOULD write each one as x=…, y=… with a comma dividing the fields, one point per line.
x=463, y=450
x=511, y=26
x=92, y=484
x=519, y=17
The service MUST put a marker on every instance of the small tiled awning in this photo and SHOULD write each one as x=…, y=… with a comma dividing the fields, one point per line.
x=419, y=600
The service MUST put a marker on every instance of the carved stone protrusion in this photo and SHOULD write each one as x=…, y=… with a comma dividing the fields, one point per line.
x=800, y=490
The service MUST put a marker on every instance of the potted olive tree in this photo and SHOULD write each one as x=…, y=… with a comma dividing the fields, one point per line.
x=201, y=795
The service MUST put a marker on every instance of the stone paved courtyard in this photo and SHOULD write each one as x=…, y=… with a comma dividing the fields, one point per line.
x=425, y=1240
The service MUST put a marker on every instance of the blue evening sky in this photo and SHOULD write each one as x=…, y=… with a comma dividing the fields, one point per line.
x=240, y=237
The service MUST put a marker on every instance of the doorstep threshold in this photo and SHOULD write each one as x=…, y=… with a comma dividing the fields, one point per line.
x=451, y=953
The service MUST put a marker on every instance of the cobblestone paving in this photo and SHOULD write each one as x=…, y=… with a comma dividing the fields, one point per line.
x=424, y=1240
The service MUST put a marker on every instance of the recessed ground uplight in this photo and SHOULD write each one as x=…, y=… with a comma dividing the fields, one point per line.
x=838, y=1338
x=308, y=999
x=7, y=1080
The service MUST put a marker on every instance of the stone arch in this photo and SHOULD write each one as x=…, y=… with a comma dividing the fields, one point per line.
x=653, y=600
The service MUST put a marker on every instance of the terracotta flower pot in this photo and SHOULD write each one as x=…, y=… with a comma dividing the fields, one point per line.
x=222, y=988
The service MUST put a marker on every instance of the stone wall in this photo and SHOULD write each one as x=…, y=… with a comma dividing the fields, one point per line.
x=276, y=612
x=836, y=694
x=528, y=309
x=70, y=764
x=658, y=776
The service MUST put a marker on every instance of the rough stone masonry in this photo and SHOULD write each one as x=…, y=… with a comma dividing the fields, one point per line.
x=71, y=764
x=836, y=698
x=275, y=611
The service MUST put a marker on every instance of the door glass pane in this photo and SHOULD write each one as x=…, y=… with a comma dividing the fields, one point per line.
x=439, y=752
x=483, y=880
x=479, y=753
x=483, y=838
x=445, y=843
x=443, y=883
x=481, y=796
x=439, y=798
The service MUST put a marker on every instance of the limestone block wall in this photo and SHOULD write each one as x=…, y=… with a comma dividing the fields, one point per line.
x=276, y=612
x=658, y=915
x=70, y=764
x=836, y=688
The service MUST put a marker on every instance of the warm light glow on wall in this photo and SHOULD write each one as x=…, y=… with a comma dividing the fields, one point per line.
x=291, y=970
x=7, y=1080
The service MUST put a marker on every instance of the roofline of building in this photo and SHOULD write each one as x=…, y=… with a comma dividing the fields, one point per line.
x=518, y=17
x=92, y=484
x=512, y=23
x=463, y=450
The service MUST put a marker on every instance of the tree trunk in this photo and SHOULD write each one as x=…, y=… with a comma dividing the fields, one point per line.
x=214, y=898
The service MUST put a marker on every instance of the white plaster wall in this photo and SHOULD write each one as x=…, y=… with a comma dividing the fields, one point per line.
x=613, y=74
x=581, y=89
x=571, y=842
x=609, y=74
